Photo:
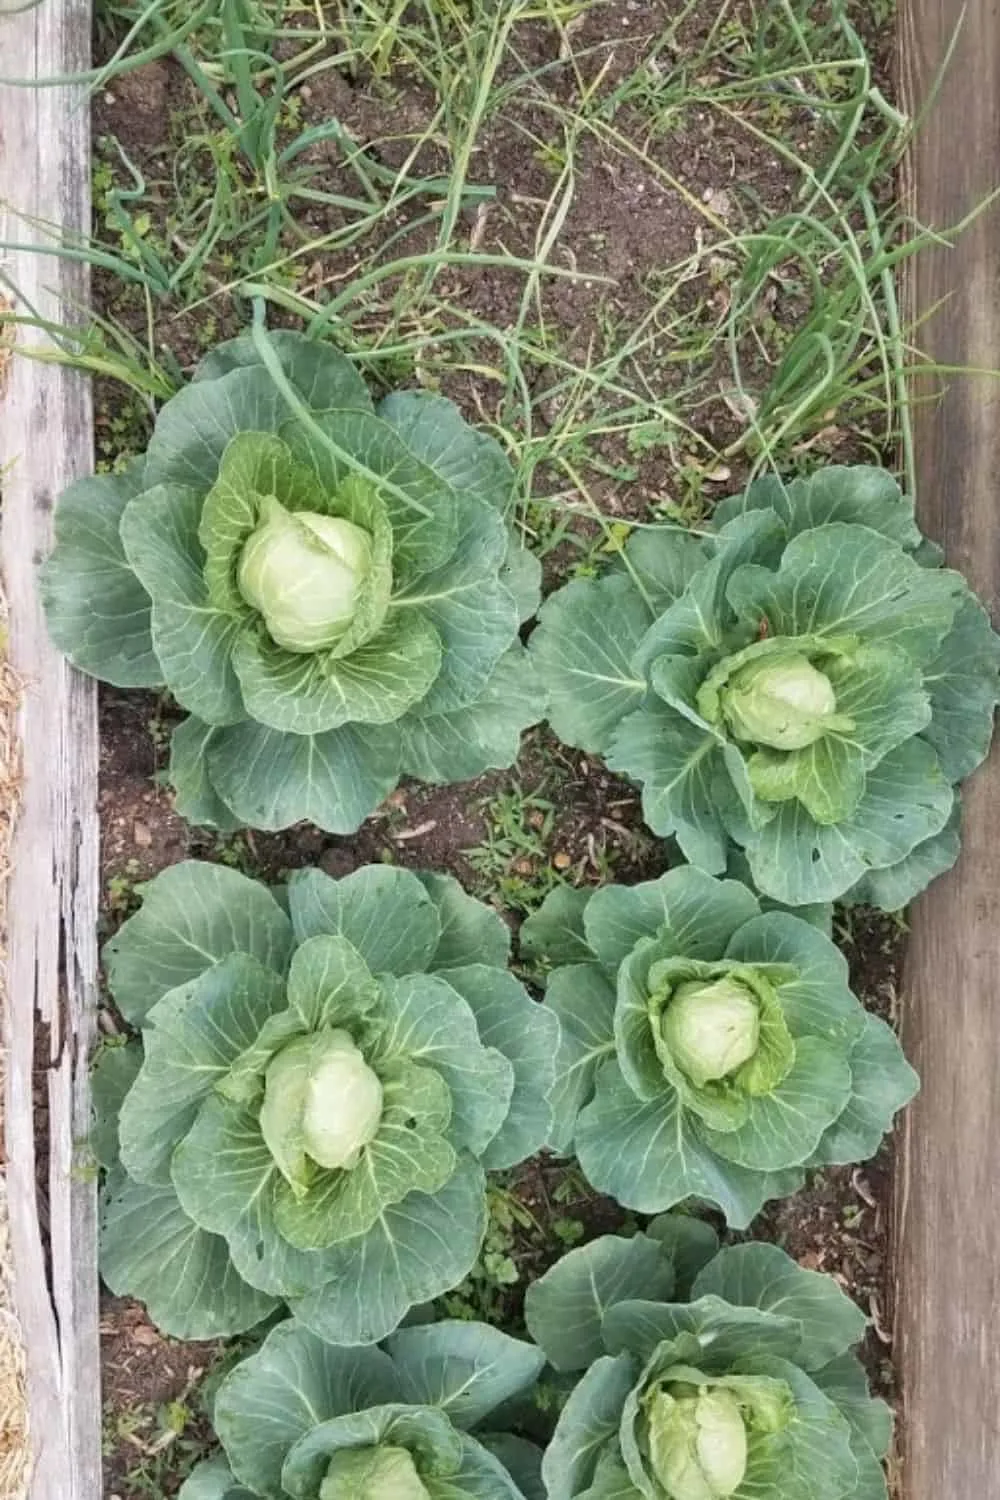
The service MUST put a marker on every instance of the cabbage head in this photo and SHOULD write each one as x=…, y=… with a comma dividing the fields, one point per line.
x=710, y=1049
x=325, y=1074
x=331, y=591
x=705, y=1374
x=800, y=679
x=426, y=1416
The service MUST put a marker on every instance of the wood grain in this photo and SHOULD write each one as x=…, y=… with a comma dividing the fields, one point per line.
x=948, y=1194
x=46, y=437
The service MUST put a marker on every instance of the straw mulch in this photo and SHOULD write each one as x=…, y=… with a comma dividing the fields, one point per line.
x=14, y=1446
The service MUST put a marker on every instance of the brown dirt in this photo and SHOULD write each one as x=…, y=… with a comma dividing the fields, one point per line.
x=628, y=220
x=596, y=817
x=155, y=1425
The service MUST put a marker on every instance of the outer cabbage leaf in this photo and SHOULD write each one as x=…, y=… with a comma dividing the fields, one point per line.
x=269, y=780
x=690, y=1243
x=481, y=735
x=583, y=647
x=882, y=1082
x=195, y=797
x=656, y=1159
x=466, y=1369
x=961, y=681
x=294, y=1382
x=763, y=1276
x=896, y=885
x=555, y=934
x=320, y=374
x=906, y=803
x=152, y=1250
x=115, y=1069
x=213, y=1480
x=386, y=914
x=470, y=933
x=527, y=1035
x=582, y=998
x=587, y=1427
x=521, y=1458
x=565, y=1309
x=844, y=1379
x=860, y=495
x=192, y=915
x=680, y=766
x=96, y=607
x=662, y=562
x=192, y=1038
x=470, y=461
x=710, y=1330
x=690, y=915
x=473, y=612
x=418, y=1250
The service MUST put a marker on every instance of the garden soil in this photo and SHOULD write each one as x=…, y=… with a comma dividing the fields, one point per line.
x=624, y=223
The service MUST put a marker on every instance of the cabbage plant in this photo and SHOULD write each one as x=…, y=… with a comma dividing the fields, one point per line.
x=330, y=591
x=418, y=1419
x=705, y=1374
x=325, y=1074
x=710, y=1049
x=799, y=679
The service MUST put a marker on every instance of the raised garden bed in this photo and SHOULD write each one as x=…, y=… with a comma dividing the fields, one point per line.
x=648, y=249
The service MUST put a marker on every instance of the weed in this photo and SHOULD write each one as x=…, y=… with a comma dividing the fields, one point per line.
x=121, y=428
x=238, y=851
x=568, y=1231
x=155, y=1446
x=513, y=864
x=159, y=730
x=485, y=1293
x=122, y=891
x=781, y=327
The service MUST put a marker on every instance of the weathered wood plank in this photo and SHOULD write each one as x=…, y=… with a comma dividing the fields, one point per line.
x=948, y=1203
x=46, y=436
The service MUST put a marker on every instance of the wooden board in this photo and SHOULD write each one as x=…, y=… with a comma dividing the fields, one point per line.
x=46, y=436
x=948, y=1195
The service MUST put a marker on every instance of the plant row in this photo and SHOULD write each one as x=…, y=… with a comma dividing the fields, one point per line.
x=682, y=1370
x=335, y=594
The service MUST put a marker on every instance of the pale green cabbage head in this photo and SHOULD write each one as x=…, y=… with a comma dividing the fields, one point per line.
x=384, y=1473
x=786, y=703
x=697, y=1441
x=322, y=1104
x=304, y=572
x=711, y=1029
